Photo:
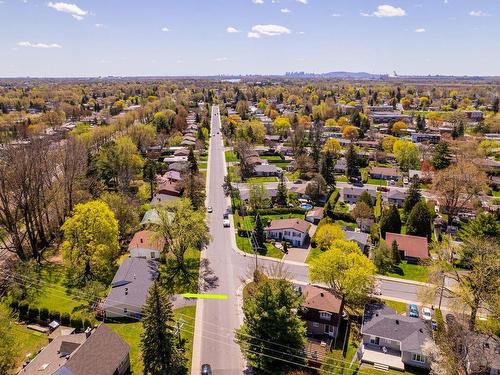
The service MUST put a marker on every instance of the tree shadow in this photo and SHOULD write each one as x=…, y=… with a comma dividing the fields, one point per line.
x=397, y=270
x=190, y=277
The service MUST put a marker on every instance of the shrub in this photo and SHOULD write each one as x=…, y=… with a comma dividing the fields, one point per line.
x=55, y=315
x=44, y=313
x=14, y=304
x=33, y=312
x=23, y=309
x=65, y=318
x=76, y=322
x=87, y=323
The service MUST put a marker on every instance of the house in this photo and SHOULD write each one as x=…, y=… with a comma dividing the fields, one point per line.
x=340, y=166
x=365, y=224
x=272, y=140
x=474, y=115
x=266, y=170
x=351, y=194
x=321, y=311
x=385, y=173
x=295, y=231
x=169, y=187
x=99, y=351
x=391, y=340
x=130, y=287
x=482, y=354
x=423, y=176
x=151, y=217
x=361, y=239
x=183, y=151
x=426, y=137
x=178, y=167
x=315, y=215
x=412, y=248
x=395, y=197
x=388, y=117
x=146, y=244
x=160, y=198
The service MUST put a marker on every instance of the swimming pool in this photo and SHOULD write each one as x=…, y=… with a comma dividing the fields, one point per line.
x=306, y=206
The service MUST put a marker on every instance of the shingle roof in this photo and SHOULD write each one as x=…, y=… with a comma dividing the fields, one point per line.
x=297, y=224
x=147, y=239
x=320, y=299
x=134, y=277
x=382, y=321
x=413, y=246
x=385, y=171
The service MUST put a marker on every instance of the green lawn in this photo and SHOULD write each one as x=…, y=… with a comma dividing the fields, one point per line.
x=202, y=165
x=408, y=271
x=28, y=342
x=292, y=176
x=399, y=307
x=271, y=157
x=258, y=180
x=377, y=181
x=314, y=253
x=341, y=178
x=496, y=193
x=131, y=333
x=231, y=156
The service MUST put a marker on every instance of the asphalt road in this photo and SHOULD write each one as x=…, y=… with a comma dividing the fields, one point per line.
x=216, y=320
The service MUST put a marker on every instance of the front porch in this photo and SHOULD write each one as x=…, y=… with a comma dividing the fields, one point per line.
x=374, y=354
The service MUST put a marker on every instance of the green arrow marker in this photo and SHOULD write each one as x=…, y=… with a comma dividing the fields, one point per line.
x=204, y=296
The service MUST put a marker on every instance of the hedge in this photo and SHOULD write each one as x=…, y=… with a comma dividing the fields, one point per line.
x=23, y=309
x=343, y=216
x=334, y=197
x=33, y=312
x=44, y=313
x=76, y=322
x=55, y=315
x=65, y=318
x=278, y=211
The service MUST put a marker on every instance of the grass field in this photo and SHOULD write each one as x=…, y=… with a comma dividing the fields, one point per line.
x=408, y=271
x=377, y=181
x=28, y=342
x=231, y=156
x=131, y=333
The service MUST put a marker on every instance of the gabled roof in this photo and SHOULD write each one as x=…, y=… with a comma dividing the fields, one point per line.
x=382, y=321
x=321, y=299
x=297, y=224
x=147, y=239
x=384, y=171
x=413, y=246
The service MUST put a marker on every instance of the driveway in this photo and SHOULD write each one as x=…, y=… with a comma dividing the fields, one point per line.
x=296, y=254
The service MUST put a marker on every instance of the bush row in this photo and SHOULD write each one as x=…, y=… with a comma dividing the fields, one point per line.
x=43, y=314
x=278, y=211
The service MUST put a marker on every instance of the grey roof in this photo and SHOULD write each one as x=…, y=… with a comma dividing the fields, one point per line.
x=359, y=237
x=134, y=276
x=151, y=217
x=268, y=168
x=395, y=194
x=382, y=321
x=483, y=351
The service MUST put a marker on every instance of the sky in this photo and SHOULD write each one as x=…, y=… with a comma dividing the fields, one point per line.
x=92, y=38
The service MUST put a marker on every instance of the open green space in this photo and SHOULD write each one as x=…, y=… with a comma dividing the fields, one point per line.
x=408, y=271
x=377, y=181
x=28, y=342
x=292, y=176
x=231, y=156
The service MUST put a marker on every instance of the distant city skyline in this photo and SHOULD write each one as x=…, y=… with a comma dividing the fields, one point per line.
x=93, y=38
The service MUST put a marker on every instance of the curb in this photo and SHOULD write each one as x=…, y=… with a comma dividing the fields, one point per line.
x=404, y=281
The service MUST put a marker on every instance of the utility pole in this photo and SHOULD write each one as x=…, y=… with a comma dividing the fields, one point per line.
x=442, y=289
x=179, y=324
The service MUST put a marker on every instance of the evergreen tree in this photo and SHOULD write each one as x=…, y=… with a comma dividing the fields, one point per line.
x=366, y=198
x=390, y=221
x=419, y=221
x=496, y=104
x=151, y=167
x=328, y=168
x=441, y=156
x=282, y=193
x=271, y=321
x=162, y=353
x=259, y=231
x=420, y=123
x=192, y=163
x=328, y=211
x=227, y=186
x=395, y=254
x=382, y=258
x=285, y=247
x=351, y=158
x=412, y=198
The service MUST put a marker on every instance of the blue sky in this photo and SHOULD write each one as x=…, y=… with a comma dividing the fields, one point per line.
x=202, y=37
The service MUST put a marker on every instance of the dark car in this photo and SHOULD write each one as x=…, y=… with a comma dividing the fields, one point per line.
x=206, y=369
x=357, y=184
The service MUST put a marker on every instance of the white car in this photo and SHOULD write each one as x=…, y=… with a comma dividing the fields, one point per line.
x=225, y=221
x=210, y=209
x=426, y=313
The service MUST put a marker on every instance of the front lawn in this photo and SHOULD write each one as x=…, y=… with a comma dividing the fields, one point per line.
x=231, y=156
x=258, y=180
x=341, y=178
x=377, y=181
x=399, y=307
x=292, y=176
x=410, y=271
x=28, y=342
x=131, y=331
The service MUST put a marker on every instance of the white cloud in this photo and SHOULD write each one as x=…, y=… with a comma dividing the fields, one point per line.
x=100, y=26
x=478, y=13
x=270, y=30
x=302, y=32
x=420, y=30
x=302, y=1
x=165, y=29
x=336, y=15
x=258, y=1
x=285, y=10
x=73, y=9
x=386, y=11
x=232, y=30
x=251, y=34
x=38, y=45
x=220, y=59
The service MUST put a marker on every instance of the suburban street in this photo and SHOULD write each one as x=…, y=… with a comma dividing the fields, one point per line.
x=217, y=319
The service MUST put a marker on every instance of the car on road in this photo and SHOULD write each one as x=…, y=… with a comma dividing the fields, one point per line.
x=376, y=288
x=225, y=221
x=206, y=369
x=357, y=184
x=392, y=182
x=298, y=181
x=426, y=313
x=413, y=311
x=210, y=209
x=383, y=188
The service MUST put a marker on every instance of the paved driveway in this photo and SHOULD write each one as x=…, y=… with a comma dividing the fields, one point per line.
x=297, y=254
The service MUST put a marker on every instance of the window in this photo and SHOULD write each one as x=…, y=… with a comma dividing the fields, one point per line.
x=374, y=340
x=315, y=324
x=418, y=358
x=153, y=254
x=125, y=310
x=325, y=315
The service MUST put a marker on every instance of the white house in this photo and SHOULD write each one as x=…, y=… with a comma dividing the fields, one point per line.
x=294, y=231
x=146, y=244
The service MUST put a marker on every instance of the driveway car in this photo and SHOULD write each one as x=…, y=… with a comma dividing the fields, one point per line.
x=206, y=369
x=426, y=313
x=413, y=311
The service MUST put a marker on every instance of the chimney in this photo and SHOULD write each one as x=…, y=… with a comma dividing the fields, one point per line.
x=397, y=321
x=87, y=331
x=126, y=291
x=321, y=294
x=142, y=241
x=134, y=276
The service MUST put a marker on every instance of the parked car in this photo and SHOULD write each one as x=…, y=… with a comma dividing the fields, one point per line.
x=210, y=209
x=206, y=369
x=434, y=325
x=358, y=184
x=383, y=188
x=225, y=221
x=426, y=313
x=413, y=311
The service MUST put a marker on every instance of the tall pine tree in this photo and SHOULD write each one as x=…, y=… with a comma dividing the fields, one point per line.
x=282, y=193
x=390, y=221
x=419, y=221
x=162, y=353
x=328, y=168
x=259, y=231
x=441, y=156
x=351, y=158
x=412, y=198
